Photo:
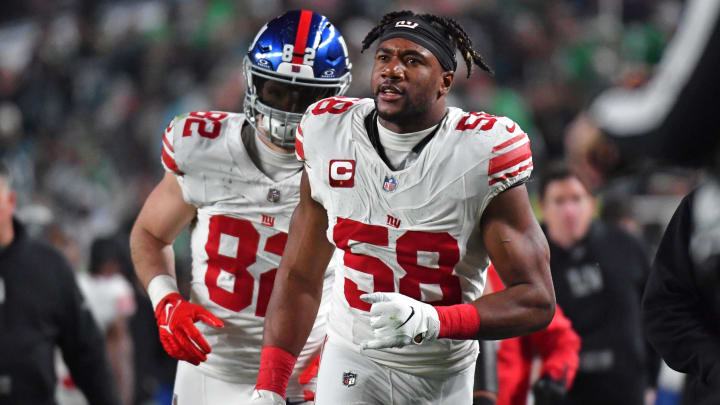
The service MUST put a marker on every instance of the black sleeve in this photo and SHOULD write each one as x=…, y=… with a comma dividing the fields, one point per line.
x=674, y=315
x=652, y=358
x=81, y=343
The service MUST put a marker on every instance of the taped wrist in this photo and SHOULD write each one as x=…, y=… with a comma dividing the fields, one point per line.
x=460, y=321
x=276, y=366
x=159, y=288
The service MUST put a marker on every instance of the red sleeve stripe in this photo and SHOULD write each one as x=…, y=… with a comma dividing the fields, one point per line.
x=299, y=151
x=509, y=159
x=170, y=162
x=302, y=36
x=510, y=174
x=509, y=142
x=167, y=143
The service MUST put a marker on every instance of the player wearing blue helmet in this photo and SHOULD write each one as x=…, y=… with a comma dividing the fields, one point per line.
x=234, y=177
x=287, y=70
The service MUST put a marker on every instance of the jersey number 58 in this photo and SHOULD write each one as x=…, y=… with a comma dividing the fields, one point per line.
x=406, y=250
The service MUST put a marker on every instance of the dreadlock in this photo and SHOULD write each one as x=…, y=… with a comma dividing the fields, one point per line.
x=456, y=35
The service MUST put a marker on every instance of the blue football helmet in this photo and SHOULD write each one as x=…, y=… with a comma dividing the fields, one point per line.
x=295, y=60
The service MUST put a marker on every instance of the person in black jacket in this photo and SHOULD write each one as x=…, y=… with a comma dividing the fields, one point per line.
x=681, y=306
x=599, y=273
x=40, y=308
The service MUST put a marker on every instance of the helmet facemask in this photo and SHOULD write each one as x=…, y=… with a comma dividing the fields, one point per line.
x=275, y=102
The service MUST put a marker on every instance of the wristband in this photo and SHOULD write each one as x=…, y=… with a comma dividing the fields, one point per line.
x=460, y=321
x=276, y=366
x=159, y=287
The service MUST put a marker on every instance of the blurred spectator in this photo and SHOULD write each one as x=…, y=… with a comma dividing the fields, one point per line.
x=41, y=307
x=111, y=302
x=617, y=211
x=557, y=347
x=681, y=307
x=672, y=119
x=599, y=273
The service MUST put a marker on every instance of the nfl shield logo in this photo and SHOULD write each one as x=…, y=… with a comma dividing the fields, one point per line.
x=349, y=379
x=390, y=184
x=273, y=195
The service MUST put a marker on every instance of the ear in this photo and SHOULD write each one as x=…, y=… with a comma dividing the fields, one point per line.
x=446, y=80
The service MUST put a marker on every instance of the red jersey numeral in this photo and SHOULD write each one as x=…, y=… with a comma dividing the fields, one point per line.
x=471, y=121
x=333, y=105
x=199, y=120
x=248, y=240
x=383, y=278
x=407, y=247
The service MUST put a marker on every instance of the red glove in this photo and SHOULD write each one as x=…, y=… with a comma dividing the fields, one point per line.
x=178, y=334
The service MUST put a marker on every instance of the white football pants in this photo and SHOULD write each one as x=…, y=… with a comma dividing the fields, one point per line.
x=348, y=377
x=193, y=387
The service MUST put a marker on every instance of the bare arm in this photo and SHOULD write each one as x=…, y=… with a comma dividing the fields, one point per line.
x=164, y=215
x=298, y=284
x=161, y=219
x=519, y=251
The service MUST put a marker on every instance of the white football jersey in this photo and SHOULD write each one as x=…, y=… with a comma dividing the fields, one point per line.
x=237, y=239
x=414, y=231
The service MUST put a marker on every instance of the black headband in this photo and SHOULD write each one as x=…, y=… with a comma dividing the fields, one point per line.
x=422, y=33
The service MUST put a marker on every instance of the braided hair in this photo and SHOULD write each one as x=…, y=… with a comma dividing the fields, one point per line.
x=455, y=34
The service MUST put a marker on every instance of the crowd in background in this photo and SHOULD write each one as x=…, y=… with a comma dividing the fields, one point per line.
x=87, y=87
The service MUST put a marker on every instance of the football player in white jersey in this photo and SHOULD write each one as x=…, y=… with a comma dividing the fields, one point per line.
x=235, y=179
x=418, y=197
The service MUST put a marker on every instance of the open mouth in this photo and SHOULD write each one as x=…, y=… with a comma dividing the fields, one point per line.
x=389, y=92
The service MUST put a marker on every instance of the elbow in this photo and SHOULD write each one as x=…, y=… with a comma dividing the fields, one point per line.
x=547, y=313
x=544, y=307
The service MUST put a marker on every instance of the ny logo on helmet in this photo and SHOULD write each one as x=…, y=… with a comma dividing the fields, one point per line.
x=406, y=24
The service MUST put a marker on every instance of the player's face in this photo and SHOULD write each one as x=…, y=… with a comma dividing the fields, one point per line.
x=568, y=210
x=406, y=81
x=288, y=97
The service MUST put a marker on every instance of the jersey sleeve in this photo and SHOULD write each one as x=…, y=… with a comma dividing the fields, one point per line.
x=168, y=150
x=510, y=160
x=319, y=120
x=299, y=140
x=309, y=124
x=306, y=136
x=193, y=146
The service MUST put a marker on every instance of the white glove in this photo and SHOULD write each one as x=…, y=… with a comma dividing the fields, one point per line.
x=398, y=320
x=265, y=397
